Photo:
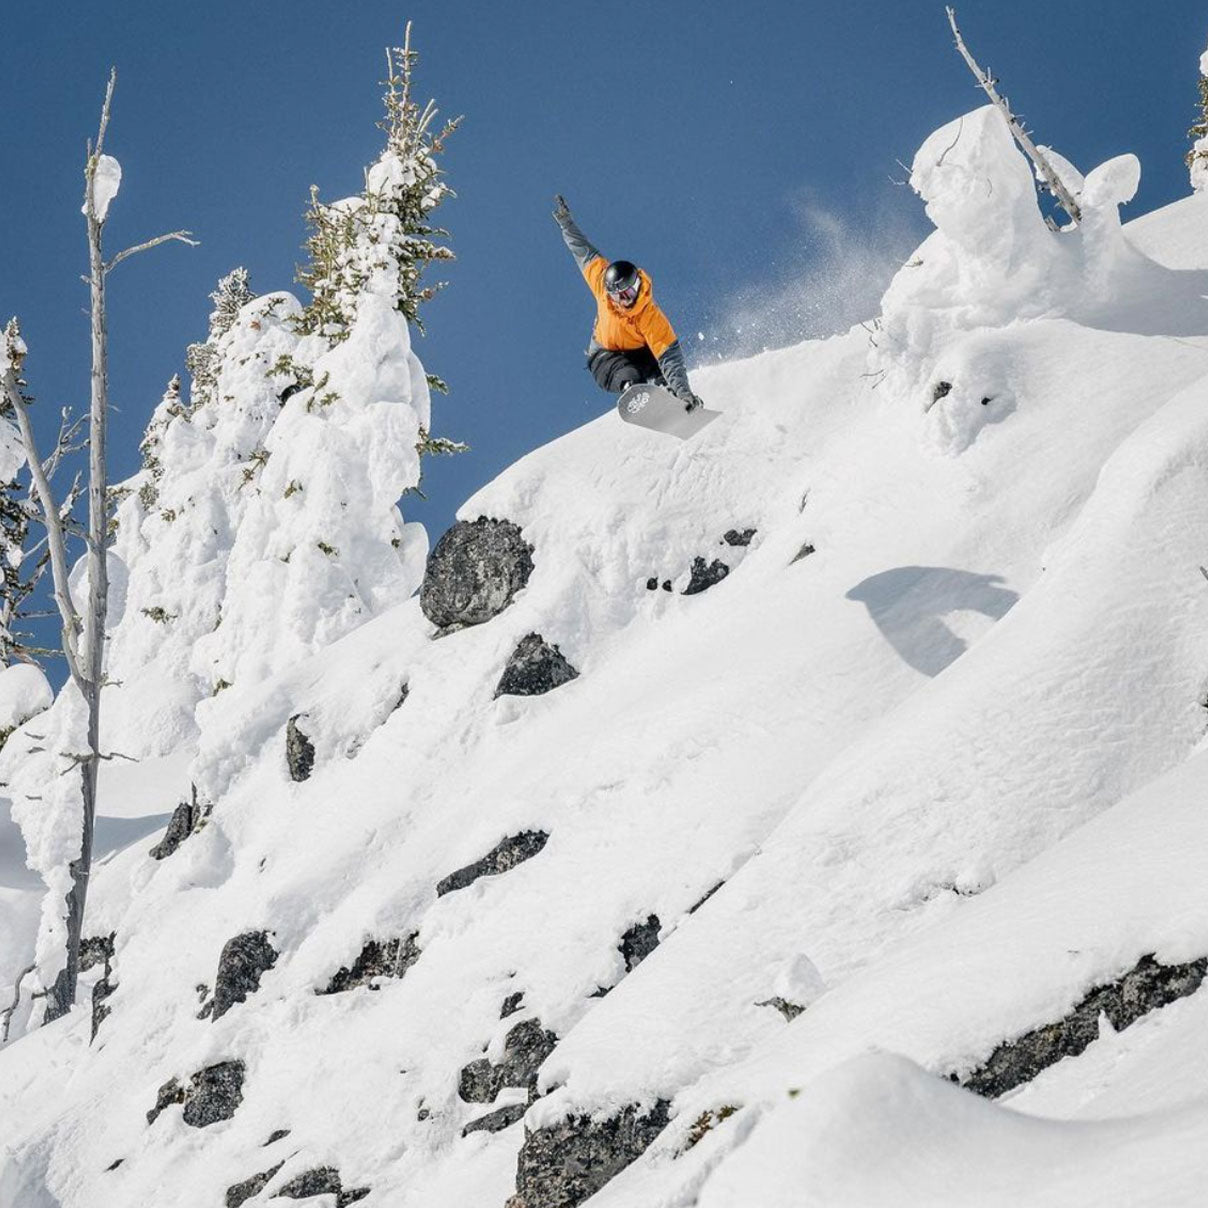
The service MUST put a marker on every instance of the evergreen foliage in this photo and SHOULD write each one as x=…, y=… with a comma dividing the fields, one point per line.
x=17, y=579
x=201, y=360
x=170, y=406
x=386, y=229
x=1197, y=157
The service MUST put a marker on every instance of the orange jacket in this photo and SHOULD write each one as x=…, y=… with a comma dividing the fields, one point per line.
x=618, y=329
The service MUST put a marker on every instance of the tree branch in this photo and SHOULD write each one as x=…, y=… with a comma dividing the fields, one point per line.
x=182, y=236
x=54, y=528
x=1064, y=197
x=8, y=1013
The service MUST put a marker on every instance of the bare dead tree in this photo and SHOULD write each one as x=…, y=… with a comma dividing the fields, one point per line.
x=83, y=637
x=988, y=85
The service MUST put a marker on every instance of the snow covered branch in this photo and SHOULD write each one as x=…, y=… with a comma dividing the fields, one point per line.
x=987, y=84
x=53, y=520
x=182, y=236
x=7, y=1014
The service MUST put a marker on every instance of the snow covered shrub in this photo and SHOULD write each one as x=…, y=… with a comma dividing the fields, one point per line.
x=992, y=261
x=1197, y=157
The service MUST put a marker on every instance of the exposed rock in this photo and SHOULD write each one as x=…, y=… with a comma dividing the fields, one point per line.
x=496, y=1121
x=561, y=1166
x=940, y=390
x=652, y=584
x=96, y=950
x=705, y=575
x=100, y=1012
x=323, y=1180
x=525, y=1048
x=503, y=857
x=243, y=960
x=803, y=552
x=511, y=1004
x=277, y=1135
x=735, y=537
x=790, y=1010
x=390, y=959
x=535, y=668
x=237, y=1194
x=639, y=942
x=299, y=751
x=1142, y=989
x=169, y=1094
x=184, y=821
x=114, y=1165
x=707, y=896
x=213, y=1094
x=474, y=572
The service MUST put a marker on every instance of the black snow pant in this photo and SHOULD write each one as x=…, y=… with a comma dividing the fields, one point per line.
x=614, y=370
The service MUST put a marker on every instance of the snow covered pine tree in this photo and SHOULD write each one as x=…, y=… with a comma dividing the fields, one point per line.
x=1197, y=157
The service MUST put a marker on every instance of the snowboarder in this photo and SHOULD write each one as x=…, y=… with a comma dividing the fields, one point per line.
x=632, y=341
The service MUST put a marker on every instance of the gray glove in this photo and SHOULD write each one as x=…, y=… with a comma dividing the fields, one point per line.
x=561, y=210
x=691, y=401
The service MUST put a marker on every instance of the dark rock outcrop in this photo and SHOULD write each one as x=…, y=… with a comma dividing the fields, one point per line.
x=496, y=1121
x=299, y=751
x=705, y=575
x=639, y=942
x=536, y=667
x=511, y=1004
x=98, y=950
x=378, y=959
x=503, y=857
x=323, y=1180
x=184, y=821
x=790, y=1010
x=1144, y=988
x=561, y=1166
x=242, y=962
x=738, y=537
x=213, y=1094
x=526, y=1046
x=474, y=572
x=803, y=552
x=240, y=1192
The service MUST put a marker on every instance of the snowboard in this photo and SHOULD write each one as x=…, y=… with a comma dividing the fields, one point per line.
x=656, y=407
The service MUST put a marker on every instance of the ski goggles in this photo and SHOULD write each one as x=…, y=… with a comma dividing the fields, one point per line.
x=627, y=296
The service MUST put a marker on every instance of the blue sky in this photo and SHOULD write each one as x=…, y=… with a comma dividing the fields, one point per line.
x=745, y=154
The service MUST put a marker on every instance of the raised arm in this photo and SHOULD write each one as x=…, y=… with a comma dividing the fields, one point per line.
x=578, y=243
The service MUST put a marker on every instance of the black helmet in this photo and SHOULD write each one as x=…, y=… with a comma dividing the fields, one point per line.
x=620, y=275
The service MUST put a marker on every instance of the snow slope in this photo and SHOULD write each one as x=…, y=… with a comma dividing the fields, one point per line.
x=944, y=767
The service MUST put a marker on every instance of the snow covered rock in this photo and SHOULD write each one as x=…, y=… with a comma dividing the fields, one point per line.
x=243, y=961
x=705, y=575
x=299, y=751
x=474, y=572
x=534, y=668
x=183, y=822
x=503, y=857
x=1144, y=988
x=525, y=1049
x=563, y=1164
x=377, y=960
x=213, y=1094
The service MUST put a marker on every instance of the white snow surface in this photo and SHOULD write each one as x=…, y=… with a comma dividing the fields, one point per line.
x=929, y=783
x=106, y=180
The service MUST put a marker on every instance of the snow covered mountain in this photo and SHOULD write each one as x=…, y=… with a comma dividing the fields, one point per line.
x=810, y=813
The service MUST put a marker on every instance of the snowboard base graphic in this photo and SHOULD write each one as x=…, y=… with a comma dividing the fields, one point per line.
x=654, y=407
